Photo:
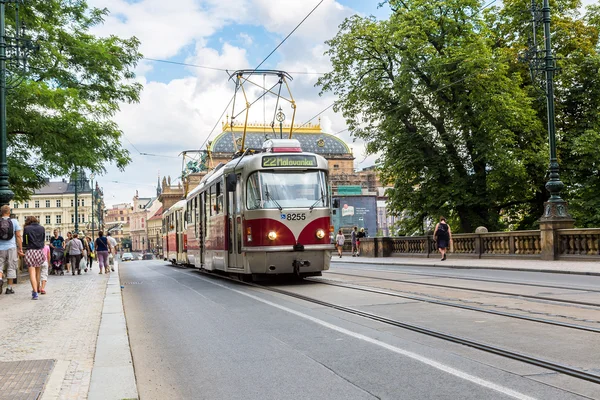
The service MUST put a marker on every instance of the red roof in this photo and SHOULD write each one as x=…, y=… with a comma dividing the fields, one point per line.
x=157, y=215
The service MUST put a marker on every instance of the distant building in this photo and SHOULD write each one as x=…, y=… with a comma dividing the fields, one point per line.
x=155, y=231
x=311, y=138
x=117, y=221
x=54, y=206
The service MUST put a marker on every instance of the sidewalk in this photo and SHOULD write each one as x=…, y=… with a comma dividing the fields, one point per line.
x=48, y=346
x=559, y=267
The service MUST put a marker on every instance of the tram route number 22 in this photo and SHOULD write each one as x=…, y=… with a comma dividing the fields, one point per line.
x=294, y=216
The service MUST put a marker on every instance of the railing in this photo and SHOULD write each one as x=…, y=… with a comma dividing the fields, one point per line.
x=579, y=243
x=568, y=244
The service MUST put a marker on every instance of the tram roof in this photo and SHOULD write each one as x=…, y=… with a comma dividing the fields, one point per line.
x=177, y=206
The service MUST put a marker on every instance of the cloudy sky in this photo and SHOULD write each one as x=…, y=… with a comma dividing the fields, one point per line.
x=180, y=105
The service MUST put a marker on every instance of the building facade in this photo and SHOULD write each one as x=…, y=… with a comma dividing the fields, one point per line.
x=155, y=231
x=54, y=206
x=117, y=221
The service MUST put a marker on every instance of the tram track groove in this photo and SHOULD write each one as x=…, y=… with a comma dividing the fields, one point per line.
x=461, y=306
x=474, y=279
x=526, y=296
x=525, y=358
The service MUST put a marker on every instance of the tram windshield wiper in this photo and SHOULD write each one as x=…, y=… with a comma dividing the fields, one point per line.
x=320, y=200
x=268, y=196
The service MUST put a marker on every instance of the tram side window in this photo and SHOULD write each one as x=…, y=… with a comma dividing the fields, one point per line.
x=253, y=200
x=212, y=200
x=219, y=198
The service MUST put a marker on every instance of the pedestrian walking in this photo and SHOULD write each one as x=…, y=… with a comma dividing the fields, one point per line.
x=91, y=254
x=354, y=238
x=102, y=247
x=33, y=237
x=361, y=234
x=113, y=250
x=44, y=270
x=442, y=236
x=340, y=239
x=11, y=247
x=76, y=253
x=67, y=251
x=57, y=247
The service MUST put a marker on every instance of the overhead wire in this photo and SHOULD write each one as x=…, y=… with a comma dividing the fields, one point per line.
x=260, y=64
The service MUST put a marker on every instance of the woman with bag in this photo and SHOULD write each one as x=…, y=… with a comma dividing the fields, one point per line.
x=442, y=236
x=340, y=239
x=33, y=239
x=101, y=246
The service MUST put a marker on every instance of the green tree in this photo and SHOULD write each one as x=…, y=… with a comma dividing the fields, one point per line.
x=438, y=91
x=60, y=117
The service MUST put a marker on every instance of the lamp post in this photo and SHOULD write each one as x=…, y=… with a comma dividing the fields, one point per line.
x=555, y=207
x=76, y=183
x=555, y=215
x=18, y=48
x=92, y=176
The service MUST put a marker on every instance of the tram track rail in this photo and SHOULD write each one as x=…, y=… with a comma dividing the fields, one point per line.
x=455, y=305
x=468, y=278
x=514, y=355
x=526, y=296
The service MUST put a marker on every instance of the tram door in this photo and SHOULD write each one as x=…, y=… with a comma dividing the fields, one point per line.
x=234, y=224
x=202, y=226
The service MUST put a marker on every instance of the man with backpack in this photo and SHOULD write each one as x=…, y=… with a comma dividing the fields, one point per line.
x=11, y=247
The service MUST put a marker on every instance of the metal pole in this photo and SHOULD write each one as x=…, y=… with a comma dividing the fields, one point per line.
x=92, y=180
x=76, y=215
x=554, y=185
x=6, y=194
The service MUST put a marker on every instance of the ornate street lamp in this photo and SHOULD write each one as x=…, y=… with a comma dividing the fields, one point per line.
x=555, y=209
x=13, y=52
x=92, y=176
x=280, y=117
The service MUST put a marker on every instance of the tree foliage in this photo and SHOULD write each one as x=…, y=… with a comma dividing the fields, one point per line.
x=438, y=91
x=60, y=116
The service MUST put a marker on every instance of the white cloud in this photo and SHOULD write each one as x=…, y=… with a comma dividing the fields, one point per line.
x=179, y=114
x=246, y=39
x=163, y=27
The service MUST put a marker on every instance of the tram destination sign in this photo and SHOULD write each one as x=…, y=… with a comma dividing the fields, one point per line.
x=296, y=160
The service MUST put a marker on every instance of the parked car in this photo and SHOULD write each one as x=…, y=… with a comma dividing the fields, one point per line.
x=138, y=257
x=147, y=257
x=127, y=257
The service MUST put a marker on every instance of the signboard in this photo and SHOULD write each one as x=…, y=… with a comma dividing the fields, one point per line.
x=295, y=160
x=349, y=190
x=359, y=211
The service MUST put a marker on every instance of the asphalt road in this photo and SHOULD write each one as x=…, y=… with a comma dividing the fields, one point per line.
x=198, y=337
x=541, y=278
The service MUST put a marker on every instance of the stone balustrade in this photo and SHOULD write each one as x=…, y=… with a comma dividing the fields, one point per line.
x=579, y=243
x=573, y=243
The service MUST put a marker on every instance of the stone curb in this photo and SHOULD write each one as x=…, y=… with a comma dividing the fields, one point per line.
x=113, y=377
x=456, y=266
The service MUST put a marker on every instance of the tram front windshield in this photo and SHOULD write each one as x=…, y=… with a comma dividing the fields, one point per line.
x=286, y=189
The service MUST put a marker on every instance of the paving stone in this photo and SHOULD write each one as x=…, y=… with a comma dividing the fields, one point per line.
x=62, y=326
x=23, y=379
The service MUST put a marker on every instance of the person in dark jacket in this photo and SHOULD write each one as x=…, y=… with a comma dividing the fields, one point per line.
x=359, y=236
x=33, y=237
x=442, y=236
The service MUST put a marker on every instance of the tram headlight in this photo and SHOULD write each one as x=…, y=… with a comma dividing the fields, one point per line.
x=272, y=235
x=320, y=234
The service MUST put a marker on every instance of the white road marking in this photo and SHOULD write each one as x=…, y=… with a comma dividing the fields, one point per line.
x=414, y=356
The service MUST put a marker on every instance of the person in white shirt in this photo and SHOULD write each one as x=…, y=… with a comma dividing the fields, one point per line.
x=112, y=243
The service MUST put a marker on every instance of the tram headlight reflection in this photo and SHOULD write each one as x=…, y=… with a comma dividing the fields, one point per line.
x=272, y=235
x=320, y=234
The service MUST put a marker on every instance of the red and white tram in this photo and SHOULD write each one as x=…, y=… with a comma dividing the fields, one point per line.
x=266, y=212
x=174, y=237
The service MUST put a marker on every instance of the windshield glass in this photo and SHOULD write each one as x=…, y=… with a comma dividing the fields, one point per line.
x=286, y=190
